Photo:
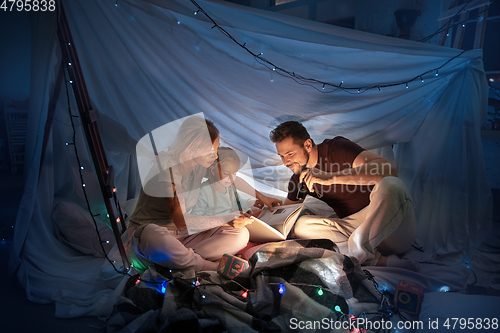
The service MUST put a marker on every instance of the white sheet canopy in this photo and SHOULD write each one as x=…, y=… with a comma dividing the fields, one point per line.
x=147, y=63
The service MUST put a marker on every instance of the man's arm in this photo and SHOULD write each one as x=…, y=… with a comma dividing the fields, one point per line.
x=367, y=169
x=291, y=202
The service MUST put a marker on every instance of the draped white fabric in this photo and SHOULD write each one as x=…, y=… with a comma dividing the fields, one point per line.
x=147, y=63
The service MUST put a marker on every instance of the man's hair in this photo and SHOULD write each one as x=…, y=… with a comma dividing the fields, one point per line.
x=292, y=129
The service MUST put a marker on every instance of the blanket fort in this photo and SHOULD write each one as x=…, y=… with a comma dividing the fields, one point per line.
x=148, y=63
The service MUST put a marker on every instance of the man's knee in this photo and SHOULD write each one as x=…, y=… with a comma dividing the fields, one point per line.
x=391, y=187
x=307, y=227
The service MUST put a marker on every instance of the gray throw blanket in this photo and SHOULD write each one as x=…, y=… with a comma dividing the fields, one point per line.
x=294, y=285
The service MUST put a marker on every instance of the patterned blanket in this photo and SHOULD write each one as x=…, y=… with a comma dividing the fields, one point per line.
x=294, y=285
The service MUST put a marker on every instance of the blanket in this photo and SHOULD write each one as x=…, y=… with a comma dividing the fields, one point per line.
x=294, y=285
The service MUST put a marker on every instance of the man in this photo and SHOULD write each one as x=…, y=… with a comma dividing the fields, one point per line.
x=375, y=219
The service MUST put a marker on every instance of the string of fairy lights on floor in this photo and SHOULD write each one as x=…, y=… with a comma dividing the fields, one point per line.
x=320, y=85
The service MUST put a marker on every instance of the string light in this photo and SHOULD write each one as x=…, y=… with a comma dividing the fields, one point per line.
x=281, y=289
x=245, y=294
x=69, y=64
x=437, y=72
x=311, y=81
x=448, y=24
x=406, y=85
x=112, y=262
x=320, y=292
x=421, y=79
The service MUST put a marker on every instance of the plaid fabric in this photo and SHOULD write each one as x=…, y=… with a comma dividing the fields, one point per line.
x=313, y=279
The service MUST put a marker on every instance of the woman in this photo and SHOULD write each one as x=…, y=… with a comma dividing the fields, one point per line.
x=158, y=224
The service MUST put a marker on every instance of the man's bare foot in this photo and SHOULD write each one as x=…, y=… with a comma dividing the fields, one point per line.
x=382, y=261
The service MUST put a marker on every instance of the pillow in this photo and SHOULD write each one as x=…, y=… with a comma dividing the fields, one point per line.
x=75, y=228
x=440, y=308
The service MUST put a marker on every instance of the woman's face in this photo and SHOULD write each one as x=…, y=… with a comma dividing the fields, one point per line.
x=208, y=157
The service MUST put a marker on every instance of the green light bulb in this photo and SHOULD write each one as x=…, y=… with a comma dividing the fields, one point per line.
x=320, y=292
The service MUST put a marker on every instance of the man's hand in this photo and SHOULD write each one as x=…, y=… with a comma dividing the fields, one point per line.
x=240, y=221
x=268, y=201
x=315, y=176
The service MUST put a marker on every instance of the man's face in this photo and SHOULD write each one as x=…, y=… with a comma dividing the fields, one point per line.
x=293, y=156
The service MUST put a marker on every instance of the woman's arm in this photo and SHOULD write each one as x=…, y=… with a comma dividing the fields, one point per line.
x=177, y=210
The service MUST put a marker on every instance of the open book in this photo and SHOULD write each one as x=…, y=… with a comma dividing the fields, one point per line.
x=275, y=226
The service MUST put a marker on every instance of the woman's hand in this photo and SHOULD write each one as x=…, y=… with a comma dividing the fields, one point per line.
x=240, y=221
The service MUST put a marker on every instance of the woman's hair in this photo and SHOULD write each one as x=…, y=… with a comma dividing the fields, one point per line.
x=192, y=138
x=226, y=156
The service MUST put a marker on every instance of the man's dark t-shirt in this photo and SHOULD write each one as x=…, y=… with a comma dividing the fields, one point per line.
x=335, y=155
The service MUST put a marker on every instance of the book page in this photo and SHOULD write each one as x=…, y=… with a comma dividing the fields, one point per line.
x=279, y=215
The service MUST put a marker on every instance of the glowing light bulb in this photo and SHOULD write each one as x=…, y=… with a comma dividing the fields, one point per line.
x=281, y=289
x=320, y=292
x=245, y=294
